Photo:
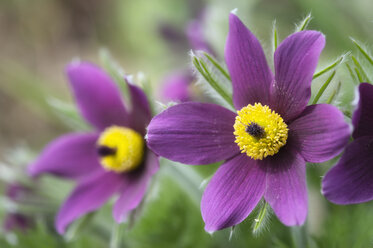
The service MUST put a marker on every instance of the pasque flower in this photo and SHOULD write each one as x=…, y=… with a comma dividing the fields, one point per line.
x=15, y=221
x=267, y=142
x=112, y=159
x=350, y=181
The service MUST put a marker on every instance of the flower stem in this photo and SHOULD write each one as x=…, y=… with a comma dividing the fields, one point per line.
x=116, y=240
x=299, y=236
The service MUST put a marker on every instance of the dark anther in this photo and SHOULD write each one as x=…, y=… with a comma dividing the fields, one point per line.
x=255, y=130
x=104, y=151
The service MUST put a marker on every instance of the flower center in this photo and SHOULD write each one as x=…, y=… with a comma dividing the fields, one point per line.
x=259, y=131
x=120, y=149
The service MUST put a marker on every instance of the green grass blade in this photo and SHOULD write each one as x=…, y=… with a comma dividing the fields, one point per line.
x=303, y=25
x=328, y=68
x=323, y=88
x=365, y=53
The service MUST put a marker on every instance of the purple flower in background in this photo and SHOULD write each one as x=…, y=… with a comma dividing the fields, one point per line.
x=112, y=159
x=350, y=181
x=267, y=143
x=13, y=220
x=176, y=87
x=196, y=37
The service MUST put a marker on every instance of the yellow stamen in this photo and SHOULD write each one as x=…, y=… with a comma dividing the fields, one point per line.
x=259, y=131
x=121, y=149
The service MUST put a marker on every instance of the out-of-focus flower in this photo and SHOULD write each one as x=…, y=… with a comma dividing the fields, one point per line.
x=350, y=181
x=176, y=87
x=196, y=37
x=267, y=143
x=17, y=221
x=112, y=159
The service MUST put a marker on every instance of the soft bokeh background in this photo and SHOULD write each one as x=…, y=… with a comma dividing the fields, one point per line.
x=38, y=38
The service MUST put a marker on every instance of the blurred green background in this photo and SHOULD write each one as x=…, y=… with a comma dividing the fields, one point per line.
x=38, y=38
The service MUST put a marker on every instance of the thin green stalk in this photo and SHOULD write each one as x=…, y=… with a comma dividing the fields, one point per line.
x=337, y=62
x=366, y=55
x=259, y=221
x=322, y=89
x=335, y=92
x=304, y=23
x=78, y=226
x=299, y=236
x=360, y=78
x=116, y=240
x=363, y=76
x=275, y=37
x=351, y=73
x=219, y=67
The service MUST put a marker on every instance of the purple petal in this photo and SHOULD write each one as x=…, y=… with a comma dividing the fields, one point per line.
x=72, y=156
x=350, y=181
x=363, y=116
x=286, y=190
x=134, y=188
x=88, y=196
x=140, y=114
x=251, y=76
x=233, y=192
x=321, y=133
x=193, y=133
x=295, y=62
x=97, y=96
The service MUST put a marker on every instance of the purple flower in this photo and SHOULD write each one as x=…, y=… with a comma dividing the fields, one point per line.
x=176, y=87
x=195, y=34
x=350, y=181
x=15, y=221
x=267, y=143
x=112, y=159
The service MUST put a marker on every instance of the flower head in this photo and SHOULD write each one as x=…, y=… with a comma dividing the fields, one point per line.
x=112, y=159
x=267, y=142
x=350, y=181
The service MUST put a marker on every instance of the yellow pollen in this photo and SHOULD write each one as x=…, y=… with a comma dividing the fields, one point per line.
x=259, y=131
x=120, y=149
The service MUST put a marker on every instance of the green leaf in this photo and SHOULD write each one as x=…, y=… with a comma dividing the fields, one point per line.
x=117, y=74
x=209, y=76
x=361, y=74
x=323, y=87
x=260, y=220
x=219, y=67
x=334, y=93
x=67, y=113
x=352, y=74
x=303, y=24
x=365, y=53
x=328, y=68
